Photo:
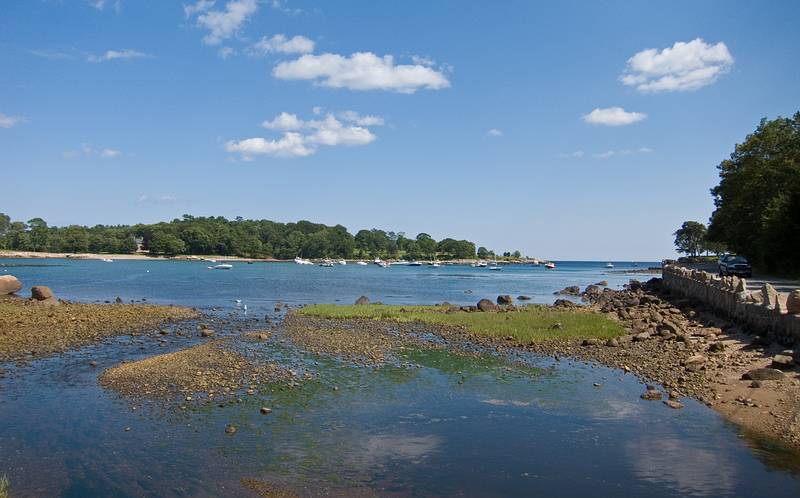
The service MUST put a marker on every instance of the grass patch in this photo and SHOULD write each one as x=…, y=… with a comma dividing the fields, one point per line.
x=528, y=324
x=5, y=487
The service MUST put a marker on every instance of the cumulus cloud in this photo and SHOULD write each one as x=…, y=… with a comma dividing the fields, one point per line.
x=281, y=44
x=102, y=4
x=361, y=71
x=613, y=116
x=494, y=132
x=226, y=52
x=622, y=152
x=354, y=117
x=10, y=121
x=111, y=55
x=682, y=67
x=302, y=138
x=198, y=7
x=572, y=155
x=222, y=24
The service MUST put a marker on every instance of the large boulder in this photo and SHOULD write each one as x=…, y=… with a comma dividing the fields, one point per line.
x=41, y=292
x=504, y=299
x=9, y=284
x=486, y=305
x=572, y=290
x=793, y=302
x=763, y=374
x=362, y=300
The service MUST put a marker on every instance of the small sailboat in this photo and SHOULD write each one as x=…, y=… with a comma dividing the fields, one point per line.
x=223, y=266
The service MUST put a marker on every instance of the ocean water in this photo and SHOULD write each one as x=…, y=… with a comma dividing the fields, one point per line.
x=454, y=426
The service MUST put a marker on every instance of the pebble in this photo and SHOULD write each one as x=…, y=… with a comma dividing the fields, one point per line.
x=265, y=411
x=230, y=429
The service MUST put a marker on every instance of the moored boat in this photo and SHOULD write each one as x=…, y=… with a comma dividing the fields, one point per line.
x=223, y=266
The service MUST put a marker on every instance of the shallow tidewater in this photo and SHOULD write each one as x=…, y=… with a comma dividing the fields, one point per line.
x=430, y=422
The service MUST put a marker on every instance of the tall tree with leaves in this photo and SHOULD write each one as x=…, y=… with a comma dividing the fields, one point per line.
x=690, y=238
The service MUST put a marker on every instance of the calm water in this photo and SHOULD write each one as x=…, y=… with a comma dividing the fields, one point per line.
x=453, y=426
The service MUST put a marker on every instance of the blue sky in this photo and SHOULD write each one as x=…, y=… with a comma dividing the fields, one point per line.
x=479, y=124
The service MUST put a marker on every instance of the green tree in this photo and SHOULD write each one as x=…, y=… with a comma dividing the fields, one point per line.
x=757, y=201
x=75, y=239
x=165, y=243
x=690, y=238
x=426, y=245
x=483, y=253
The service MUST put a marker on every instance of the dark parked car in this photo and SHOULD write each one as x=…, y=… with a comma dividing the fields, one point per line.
x=735, y=265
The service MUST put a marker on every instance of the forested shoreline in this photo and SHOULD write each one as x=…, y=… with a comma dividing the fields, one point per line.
x=238, y=237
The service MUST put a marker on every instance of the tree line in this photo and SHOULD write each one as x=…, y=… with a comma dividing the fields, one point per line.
x=238, y=237
x=757, y=201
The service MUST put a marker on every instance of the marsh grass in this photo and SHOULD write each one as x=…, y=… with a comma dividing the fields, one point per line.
x=4, y=487
x=528, y=324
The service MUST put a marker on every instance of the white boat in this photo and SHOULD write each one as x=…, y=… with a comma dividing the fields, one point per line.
x=327, y=264
x=495, y=266
x=223, y=266
x=609, y=265
x=383, y=264
x=300, y=261
x=550, y=265
x=342, y=262
x=378, y=262
x=108, y=260
x=415, y=263
x=435, y=264
x=482, y=264
x=362, y=263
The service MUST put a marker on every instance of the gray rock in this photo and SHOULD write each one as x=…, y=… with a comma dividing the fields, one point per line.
x=362, y=300
x=763, y=374
x=524, y=298
x=782, y=361
x=641, y=337
x=41, y=292
x=9, y=285
x=602, y=283
x=674, y=404
x=695, y=362
x=591, y=342
x=612, y=343
x=769, y=296
x=652, y=394
x=504, y=299
x=572, y=290
x=486, y=305
x=793, y=302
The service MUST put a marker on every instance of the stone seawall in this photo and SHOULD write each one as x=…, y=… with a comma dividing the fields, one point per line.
x=764, y=312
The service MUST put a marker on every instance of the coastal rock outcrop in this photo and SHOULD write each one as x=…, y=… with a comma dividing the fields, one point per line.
x=9, y=284
x=572, y=290
x=362, y=300
x=793, y=302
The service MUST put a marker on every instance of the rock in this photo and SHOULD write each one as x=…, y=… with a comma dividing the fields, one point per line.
x=118, y=300
x=717, y=347
x=641, y=337
x=565, y=303
x=9, y=284
x=674, y=404
x=782, y=361
x=362, y=300
x=763, y=374
x=695, y=362
x=486, y=305
x=206, y=333
x=504, y=299
x=651, y=394
x=769, y=296
x=265, y=411
x=41, y=292
x=556, y=326
x=590, y=342
x=755, y=384
x=612, y=343
x=262, y=336
x=793, y=302
x=528, y=298
x=602, y=283
x=230, y=429
x=592, y=290
x=572, y=290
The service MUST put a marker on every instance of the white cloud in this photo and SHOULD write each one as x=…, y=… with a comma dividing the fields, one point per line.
x=613, y=116
x=622, y=152
x=10, y=121
x=198, y=7
x=684, y=66
x=111, y=55
x=222, y=24
x=89, y=151
x=281, y=5
x=302, y=138
x=280, y=44
x=361, y=71
x=156, y=199
x=573, y=155
x=226, y=52
x=354, y=117
x=101, y=4
x=283, y=121
x=494, y=132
